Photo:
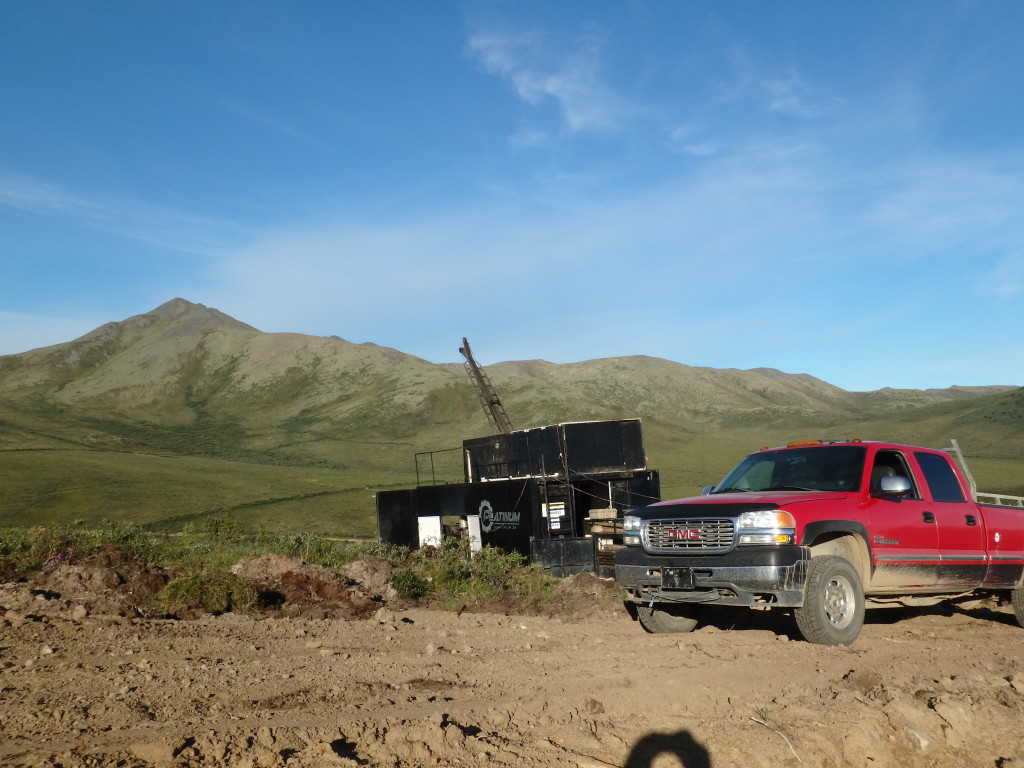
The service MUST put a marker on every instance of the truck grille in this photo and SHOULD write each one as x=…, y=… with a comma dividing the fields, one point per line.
x=703, y=535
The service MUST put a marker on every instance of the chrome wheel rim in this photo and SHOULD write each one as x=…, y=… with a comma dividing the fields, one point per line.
x=839, y=602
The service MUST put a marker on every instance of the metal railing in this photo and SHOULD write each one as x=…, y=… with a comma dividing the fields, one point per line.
x=1002, y=499
x=999, y=498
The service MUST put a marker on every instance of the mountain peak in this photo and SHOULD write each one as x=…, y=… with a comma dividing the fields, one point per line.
x=174, y=308
x=196, y=317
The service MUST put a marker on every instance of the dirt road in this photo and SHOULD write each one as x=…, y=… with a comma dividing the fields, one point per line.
x=79, y=687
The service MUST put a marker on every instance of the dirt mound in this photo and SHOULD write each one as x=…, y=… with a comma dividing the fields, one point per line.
x=354, y=591
x=590, y=593
x=108, y=582
x=373, y=574
x=112, y=582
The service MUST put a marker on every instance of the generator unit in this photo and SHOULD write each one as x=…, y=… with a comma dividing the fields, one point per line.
x=555, y=494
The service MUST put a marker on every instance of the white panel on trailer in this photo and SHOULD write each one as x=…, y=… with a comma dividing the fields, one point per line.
x=430, y=531
x=475, y=542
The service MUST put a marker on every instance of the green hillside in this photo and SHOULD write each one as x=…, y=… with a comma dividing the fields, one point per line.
x=173, y=417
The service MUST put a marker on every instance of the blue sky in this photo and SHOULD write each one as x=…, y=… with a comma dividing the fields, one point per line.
x=825, y=188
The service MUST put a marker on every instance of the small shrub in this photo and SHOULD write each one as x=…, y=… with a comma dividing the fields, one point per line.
x=496, y=568
x=37, y=547
x=312, y=548
x=450, y=565
x=460, y=576
x=224, y=527
x=393, y=553
x=129, y=537
x=410, y=586
x=64, y=556
x=213, y=592
x=44, y=543
x=15, y=545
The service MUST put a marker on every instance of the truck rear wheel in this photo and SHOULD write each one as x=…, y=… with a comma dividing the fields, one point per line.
x=1018, y=604
x=833, y=609
x=668, y=617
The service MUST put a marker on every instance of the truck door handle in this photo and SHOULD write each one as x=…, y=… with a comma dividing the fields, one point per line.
x=971, y=520
x=928, y=517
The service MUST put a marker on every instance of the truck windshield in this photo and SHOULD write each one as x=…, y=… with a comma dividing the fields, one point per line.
x=819, y=468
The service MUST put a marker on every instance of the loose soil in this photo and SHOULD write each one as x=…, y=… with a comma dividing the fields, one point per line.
x=339, y=674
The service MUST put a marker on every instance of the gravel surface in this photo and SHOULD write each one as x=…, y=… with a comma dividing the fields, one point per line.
x=84, y=682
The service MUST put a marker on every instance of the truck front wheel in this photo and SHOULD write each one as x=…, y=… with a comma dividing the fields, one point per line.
x=667, y=617
x=833, y=609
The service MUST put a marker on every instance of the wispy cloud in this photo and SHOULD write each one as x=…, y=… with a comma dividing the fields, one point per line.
x=527, y=137
x=728, y=116
x=541, y=69
x=692, y=140
x=937, y=202
x=277, y=124
x=37, y=196
x=789, y=95
x=157, y=225
x=758, y=82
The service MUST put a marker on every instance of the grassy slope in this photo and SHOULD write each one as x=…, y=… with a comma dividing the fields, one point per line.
x=168, y=419
x=57, y=467
x=316, y=481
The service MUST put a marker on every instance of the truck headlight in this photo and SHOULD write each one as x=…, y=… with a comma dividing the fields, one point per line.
x=631, y=530
x=766, y=526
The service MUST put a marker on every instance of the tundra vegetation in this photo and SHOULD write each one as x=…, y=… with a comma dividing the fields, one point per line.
x=449, y=576
x=171, y=419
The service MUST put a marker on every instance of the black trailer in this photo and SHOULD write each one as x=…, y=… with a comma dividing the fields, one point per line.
x=555, y=494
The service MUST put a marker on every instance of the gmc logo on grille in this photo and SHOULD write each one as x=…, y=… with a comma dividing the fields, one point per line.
x=683, y=534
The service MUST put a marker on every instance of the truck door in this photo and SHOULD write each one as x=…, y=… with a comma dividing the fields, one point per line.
x=963, y=562
x=904, y=536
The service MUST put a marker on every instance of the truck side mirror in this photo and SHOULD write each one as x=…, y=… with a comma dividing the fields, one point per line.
x=706, y=490
x=894, y=485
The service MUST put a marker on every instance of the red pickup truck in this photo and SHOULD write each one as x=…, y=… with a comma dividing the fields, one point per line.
x=819, y=528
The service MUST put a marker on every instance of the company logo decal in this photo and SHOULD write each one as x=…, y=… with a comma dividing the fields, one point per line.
x=494, y=521
x=683, y=534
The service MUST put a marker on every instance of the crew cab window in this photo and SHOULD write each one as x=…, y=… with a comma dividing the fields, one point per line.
x=822, y=468
x=941, y=478
x=888, y=464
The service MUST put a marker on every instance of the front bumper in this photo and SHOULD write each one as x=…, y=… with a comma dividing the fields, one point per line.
x=753, y=576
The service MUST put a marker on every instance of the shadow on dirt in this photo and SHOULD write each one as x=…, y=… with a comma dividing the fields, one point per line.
x=988, y=614
x=974, y=609
x=781, y=622
x=690, y=752
x=778, y=622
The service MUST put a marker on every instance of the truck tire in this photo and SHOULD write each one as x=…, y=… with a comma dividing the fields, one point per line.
x=1018, y=604
x=833, y=609
x=667, y=617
